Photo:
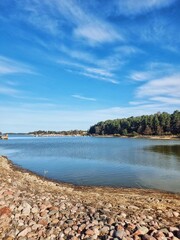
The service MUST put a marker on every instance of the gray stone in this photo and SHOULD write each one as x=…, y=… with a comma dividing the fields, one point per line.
x=26, y=208
x=104, y=230
x=144, y=230
x=119, y=233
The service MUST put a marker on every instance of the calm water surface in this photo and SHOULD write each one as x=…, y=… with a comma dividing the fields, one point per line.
x=117, y=162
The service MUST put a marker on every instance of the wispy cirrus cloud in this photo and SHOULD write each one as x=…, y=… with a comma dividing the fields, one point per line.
x=104, y=68
x=98, y=73
x=78, y=54
x=10, y=66
x=53, y=16
x=131, y=7
x=98, y=33
x=83, y=98
x=167, y=100
x=138, y=102
x=126, y=50
x=88, y=25
x=141, y=76
x=9, y=91
x=154, y=70
x=99, y=77
x=166, y=86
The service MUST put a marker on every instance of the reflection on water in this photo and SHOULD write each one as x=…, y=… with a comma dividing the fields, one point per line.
x=118, y=162
x=166, y=150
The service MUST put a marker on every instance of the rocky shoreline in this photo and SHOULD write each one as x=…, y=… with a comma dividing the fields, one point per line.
x=34, y=208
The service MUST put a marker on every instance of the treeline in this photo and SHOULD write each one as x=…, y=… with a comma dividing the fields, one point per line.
x=71, y=132
x=156, y=124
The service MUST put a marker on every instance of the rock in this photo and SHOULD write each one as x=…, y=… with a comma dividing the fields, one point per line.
x=36, y=226
x=123, y=215
x=176, y=214
x=92, y=210
x=44, y=213
x=177, y=234
x=82, y=227
x=95, y=222
x=26, y=208
x=5, y=211
x=67, y=230
x=110, y=221
x=43, y=222
x=147, y=237
x=175, y=238
x=159, y=235
x=34, y=210
x=52, y=212
x=74, y=238
x=96, y=230
x=104, y=230
x=165, y=231
x=75, y=228
x=55, y=221
x=172, y=229
x=89, y=232
x=9, y=238
x=119, y=233
x=141, y=231
x=169, y=214
x=24, y=232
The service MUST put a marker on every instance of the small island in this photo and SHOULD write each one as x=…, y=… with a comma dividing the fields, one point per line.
x=43, y=133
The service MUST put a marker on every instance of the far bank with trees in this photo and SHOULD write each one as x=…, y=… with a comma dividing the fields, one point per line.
x=157, y=124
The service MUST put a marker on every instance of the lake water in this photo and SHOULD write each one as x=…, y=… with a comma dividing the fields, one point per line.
x=117, y=162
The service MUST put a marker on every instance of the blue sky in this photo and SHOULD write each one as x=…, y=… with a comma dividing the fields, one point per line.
x=67, y=64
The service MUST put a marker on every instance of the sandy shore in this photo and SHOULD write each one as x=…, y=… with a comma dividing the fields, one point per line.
x=155, y=137
x=34, y=208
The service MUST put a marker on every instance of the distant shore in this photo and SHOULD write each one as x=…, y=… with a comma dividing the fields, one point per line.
x=156, y=137
x=34, y=207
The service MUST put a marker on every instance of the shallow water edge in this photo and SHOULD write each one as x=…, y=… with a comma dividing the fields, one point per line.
x=85, y=188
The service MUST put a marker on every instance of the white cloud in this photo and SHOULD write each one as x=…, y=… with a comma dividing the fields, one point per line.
x=10, y=66
x=54, y=15
x=83, y=98
x=99, y=77
x=131, y=7
x=99, y=71
x=141, y=76
x=97, y=33
x=138, y=102
x=38, y=14
x=78, y=54
x=167, y=100
x=128, y=50
x=92, y=72
x=173, y=49
x=87, y=25
x=169, y=86
x=5, y=90
x=154, y=70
